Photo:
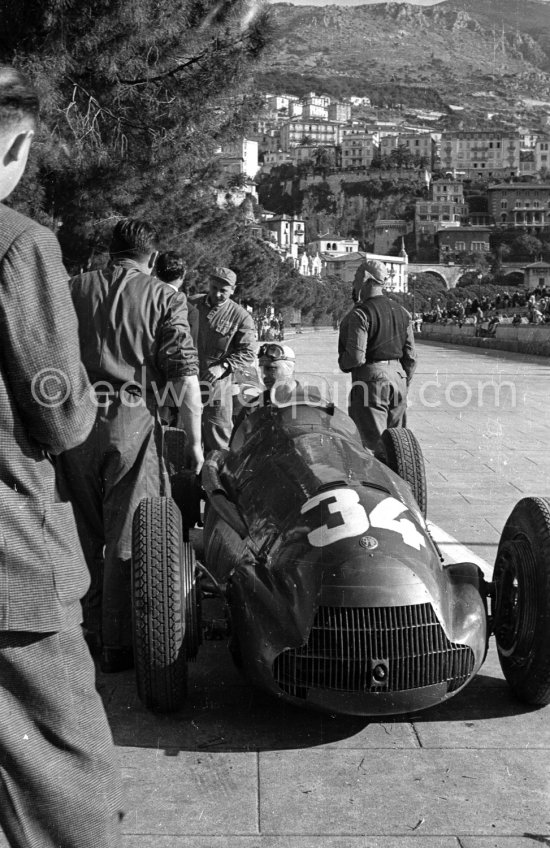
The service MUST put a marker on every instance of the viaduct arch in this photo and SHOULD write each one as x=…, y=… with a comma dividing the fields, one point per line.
x=451, y=274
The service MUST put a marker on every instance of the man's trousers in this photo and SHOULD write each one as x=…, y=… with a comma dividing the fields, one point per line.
x=59, y=782
x=105, y=478
x=217, y=414
x=378, y=400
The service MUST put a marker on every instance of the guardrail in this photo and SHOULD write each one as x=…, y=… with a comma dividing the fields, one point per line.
x=517, y=338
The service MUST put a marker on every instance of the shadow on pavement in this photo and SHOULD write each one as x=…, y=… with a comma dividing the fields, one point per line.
x=224, y=713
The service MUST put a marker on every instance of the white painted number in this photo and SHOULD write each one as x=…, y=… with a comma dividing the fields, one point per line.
x=341, y=516
x=384, y=516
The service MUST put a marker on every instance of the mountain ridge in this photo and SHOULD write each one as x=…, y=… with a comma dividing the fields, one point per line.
x=458, y=47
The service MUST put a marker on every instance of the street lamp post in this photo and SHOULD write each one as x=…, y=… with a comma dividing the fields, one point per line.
x=479, y=279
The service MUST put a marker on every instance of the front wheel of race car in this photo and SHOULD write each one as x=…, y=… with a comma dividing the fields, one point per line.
x=522, y=604
x=399, y=449
x=165, y=605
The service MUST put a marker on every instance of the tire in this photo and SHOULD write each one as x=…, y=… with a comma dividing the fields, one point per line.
x=522, y=605
x=399, y=449
x=166, y=621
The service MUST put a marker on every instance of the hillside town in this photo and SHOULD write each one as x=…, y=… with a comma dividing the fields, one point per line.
x=471, y=183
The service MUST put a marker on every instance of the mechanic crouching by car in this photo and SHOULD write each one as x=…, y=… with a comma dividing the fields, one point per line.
x=226, y=336
x=376, y=344
x=137, y=348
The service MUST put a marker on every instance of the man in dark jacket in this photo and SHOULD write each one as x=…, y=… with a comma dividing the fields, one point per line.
x=226, y=337
x=58, y=781
x=170, y=268
x=137, y=348
x=376, y=344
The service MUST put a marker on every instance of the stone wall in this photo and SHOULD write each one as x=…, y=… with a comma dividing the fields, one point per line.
x=522, y=338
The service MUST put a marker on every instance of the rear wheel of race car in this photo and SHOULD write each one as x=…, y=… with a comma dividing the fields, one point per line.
x=399, y=449
x=165, y=606
x=522, y=605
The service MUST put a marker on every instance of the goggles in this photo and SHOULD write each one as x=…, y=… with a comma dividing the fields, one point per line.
x=273, y=351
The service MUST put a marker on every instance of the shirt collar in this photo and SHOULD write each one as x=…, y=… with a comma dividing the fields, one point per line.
x=211, y=307
x=128, y=264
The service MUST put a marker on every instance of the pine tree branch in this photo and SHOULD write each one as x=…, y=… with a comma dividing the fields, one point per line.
x=166, y=74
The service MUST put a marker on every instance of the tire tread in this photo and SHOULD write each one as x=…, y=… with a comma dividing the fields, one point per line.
x=530, y=521
x=158, y=625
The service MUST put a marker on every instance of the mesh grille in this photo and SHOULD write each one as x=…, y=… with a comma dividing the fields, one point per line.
x=346, y=643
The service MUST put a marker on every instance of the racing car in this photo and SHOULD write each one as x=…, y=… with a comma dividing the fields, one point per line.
x=337, y=597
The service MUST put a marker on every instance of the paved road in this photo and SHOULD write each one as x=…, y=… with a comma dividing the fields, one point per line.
x=239, y=770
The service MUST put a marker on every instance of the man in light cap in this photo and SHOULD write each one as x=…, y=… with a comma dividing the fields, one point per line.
x=376, y=344
x=226, y=337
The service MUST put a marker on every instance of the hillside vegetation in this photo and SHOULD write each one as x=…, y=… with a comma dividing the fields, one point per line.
x=454, y=52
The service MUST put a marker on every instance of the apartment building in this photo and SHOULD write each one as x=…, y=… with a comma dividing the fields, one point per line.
x=320, y=100
x=339, y=112
x=537, y=275
x=296, y=109
x=358, y=149
x=313, y=110
x=452, y=242
x=308, y=152
x=333, y=244
x=419, y=144
x=272, y=160
x=280, y=102
x=269, y=140
x=318, y=133
x=431, y=216
x=445, y=209
x=344, y=267
x=520, y=204
x=447, y=191
x=388, y=142
x=486, y=153
x=360, y=101
x=286, y=230
x=542, y=153
x=239, y=157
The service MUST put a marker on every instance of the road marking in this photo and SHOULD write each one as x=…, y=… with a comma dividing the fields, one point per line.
x=454, y=551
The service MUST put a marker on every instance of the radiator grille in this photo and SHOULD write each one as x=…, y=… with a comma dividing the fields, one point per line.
x=346, y=643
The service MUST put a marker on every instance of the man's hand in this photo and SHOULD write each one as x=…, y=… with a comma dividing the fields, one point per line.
x=215, y=372
x=193, y=457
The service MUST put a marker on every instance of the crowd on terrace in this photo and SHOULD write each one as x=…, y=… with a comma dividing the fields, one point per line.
x=517, y=307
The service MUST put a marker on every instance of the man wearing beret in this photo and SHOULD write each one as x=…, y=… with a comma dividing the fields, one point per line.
x=226, y=337
x=376, y=344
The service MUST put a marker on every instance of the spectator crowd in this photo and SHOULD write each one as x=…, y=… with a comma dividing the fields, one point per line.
x=517, y=307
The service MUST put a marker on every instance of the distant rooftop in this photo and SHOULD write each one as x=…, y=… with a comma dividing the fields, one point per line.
x=516, y=186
